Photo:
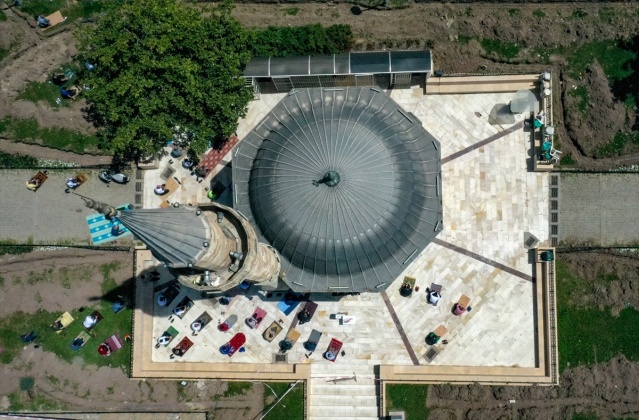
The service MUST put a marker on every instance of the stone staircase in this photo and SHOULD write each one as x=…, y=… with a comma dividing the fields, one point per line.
x=343, y=393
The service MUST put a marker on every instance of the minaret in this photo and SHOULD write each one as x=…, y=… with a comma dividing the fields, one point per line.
x=209, y=247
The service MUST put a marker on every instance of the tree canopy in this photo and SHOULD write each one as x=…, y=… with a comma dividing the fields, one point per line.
x=159, y=64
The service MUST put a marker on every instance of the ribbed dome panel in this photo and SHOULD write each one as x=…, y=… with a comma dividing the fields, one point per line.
x=359, y=233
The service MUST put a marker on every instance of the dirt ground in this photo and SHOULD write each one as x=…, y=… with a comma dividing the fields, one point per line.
x=450, y=30
x=610, y=280
x=608, y=389
x=78, y=387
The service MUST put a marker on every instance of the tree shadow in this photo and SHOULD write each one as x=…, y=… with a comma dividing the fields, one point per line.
x=628, y=87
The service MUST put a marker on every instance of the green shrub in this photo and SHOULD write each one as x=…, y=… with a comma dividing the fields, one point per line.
x=578, y=14
x=3, y=16
x=28, y=130
x=8, y=161
x=581, y=93
x=11, y=247
x=538, y=13
x=302, y=40
x=505, y=50
x=619, y=144
x=41, y=7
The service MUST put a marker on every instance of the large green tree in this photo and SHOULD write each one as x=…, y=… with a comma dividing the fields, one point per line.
x=161, y=64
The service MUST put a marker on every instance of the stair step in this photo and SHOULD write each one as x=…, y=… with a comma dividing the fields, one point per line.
x=342, y=418
x=344, y=400
x=342, y=412
x=351, y=389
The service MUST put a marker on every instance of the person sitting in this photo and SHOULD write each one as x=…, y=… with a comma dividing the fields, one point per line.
x=57, y=326
x=69, y=93
x=59, y=79
x=160, y=189
x=196, y=326
x=187, y=163
x=177, y=152
x=162, y=301
x=90, y=321
x=434, y=296
x=115, y=230
x=43, y=22
x=251, y=322
x=164, y=340
x=406, y=290
x=432, y=338
x=33, y=184
x=304, y=316
x=180, y=310
x=72, y=183
x=539, y=120
x=118, y=305
x=459, y=309
x=104, y=349
x=77, y=343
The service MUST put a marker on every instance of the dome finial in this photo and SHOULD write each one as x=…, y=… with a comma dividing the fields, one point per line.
x=331, y=179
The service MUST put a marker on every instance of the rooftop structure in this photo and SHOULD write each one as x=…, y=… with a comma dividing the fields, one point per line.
x=344, y=184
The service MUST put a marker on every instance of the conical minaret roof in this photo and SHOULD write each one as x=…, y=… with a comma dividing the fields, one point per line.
x=177, y=236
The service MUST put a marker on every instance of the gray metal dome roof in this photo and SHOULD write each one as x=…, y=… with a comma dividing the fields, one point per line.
x=344, y=184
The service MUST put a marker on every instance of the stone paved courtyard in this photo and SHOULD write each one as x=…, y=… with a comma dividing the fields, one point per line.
x=490, y=199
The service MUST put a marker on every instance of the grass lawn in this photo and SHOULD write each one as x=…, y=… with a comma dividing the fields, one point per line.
x=291, y=407
x=29, y=131
x=409, y=398
x=588, y=335
x=13, y=326
x=506, y=50
x=43, y=91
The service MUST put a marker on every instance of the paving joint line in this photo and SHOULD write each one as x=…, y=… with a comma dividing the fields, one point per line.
x=481, y=143
x=485, y=260
x=400, y=329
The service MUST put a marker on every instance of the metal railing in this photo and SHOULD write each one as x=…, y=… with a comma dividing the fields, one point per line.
x=552, y=324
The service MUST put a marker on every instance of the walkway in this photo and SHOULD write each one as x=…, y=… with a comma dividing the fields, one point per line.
x=598, y=209
x=49, y=215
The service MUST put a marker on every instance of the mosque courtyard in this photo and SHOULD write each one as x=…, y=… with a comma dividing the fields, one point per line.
x=490, y=198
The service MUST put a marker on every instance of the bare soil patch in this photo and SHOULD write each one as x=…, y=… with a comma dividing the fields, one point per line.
x=610, y=281
x=606, y=390
x=452, y=31
x=79, y=387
